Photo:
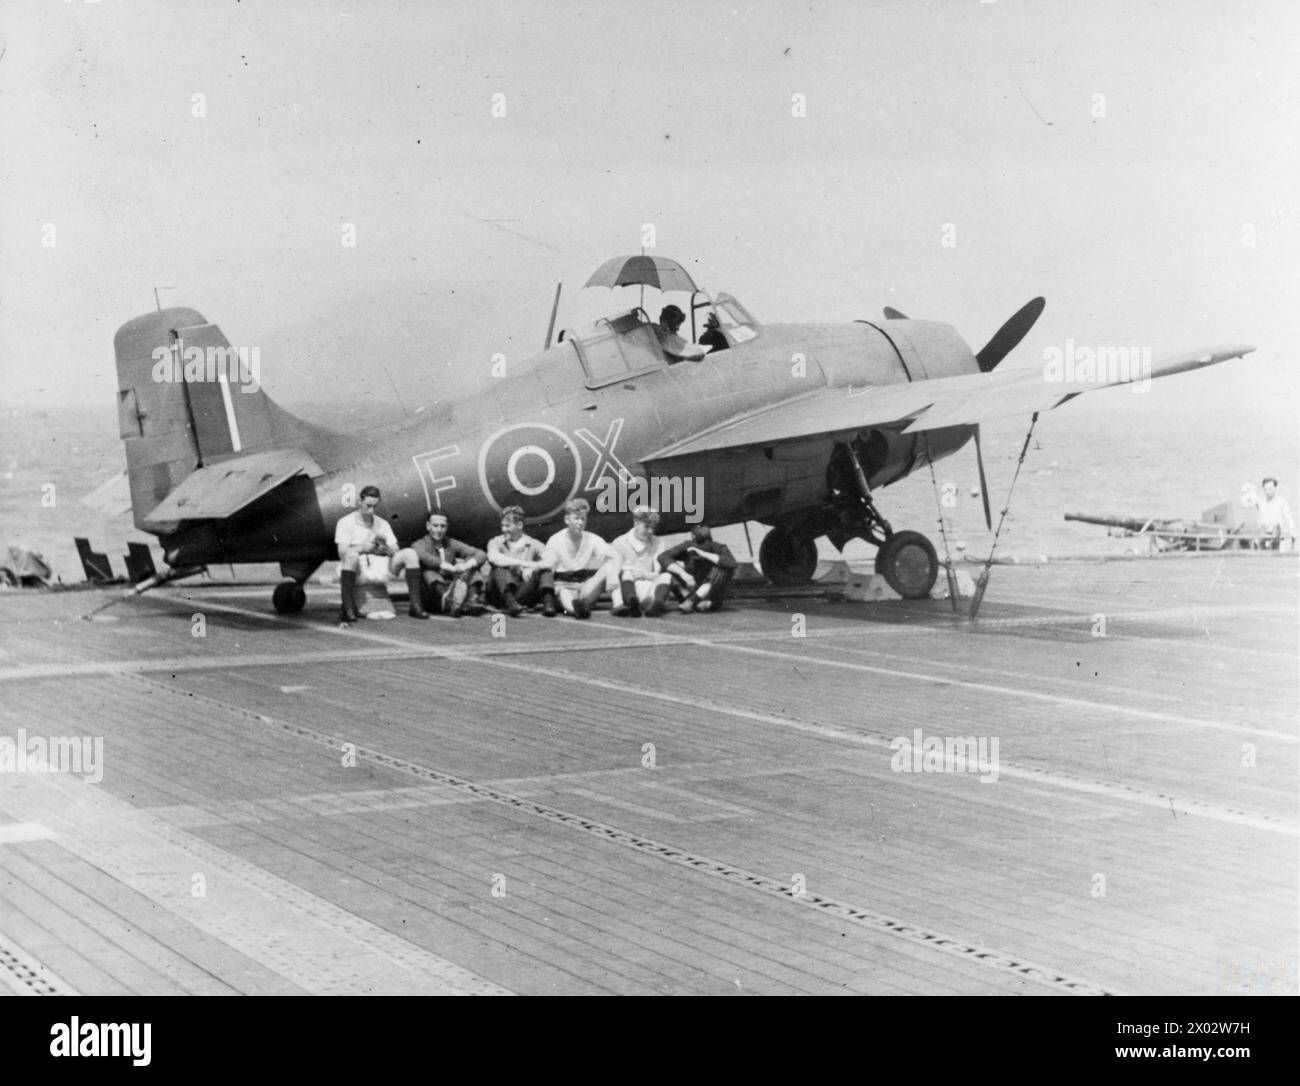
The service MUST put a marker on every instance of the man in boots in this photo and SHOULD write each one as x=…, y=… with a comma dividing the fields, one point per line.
x=575, y=565
x=358, y=534
x=701, y=569
x=517, y=562
x=451, y=572
x=639, y=586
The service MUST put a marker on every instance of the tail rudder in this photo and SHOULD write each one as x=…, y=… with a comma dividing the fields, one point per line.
x=186, y=399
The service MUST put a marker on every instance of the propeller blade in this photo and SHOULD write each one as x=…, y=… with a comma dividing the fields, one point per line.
x=892, y=314
x=1006, y=338
x=984, y=484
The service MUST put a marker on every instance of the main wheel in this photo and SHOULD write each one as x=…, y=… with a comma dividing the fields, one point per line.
x=909, y=563
x=787, y=558
x=289, y=597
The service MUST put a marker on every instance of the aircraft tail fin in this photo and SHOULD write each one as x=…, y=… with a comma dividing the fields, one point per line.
x=187, y=400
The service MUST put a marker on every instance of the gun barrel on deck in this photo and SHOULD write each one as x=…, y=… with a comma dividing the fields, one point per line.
x=1132, y=524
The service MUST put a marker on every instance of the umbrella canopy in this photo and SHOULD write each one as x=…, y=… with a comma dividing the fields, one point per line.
x=646, y=271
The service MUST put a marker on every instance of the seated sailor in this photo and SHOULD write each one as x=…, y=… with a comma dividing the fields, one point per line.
x=701, y=569
x=443, y=573
x=366, y=544
x=519, y=573
x=576, y=559
x=639, y=586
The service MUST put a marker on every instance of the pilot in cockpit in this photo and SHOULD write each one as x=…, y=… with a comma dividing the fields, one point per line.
x=713, y=336
x=675, y=347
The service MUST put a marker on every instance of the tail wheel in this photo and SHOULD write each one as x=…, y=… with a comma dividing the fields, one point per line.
x=289, y=597
x=909, y=563
x=787, y=558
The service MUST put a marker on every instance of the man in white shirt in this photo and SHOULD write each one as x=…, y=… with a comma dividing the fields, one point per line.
x=518, y=564
x=642, y=587
x=576, y=561
x=1275, y=520
x=362, y=537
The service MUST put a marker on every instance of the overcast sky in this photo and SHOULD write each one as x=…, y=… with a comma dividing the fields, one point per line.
x=1134, y=162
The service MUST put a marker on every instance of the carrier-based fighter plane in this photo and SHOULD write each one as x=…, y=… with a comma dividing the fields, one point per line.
x=797, y=426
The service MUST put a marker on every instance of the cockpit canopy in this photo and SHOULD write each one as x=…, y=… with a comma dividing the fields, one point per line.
x=627, y=345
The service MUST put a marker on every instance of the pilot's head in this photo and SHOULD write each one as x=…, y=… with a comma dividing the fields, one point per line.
x=671, y=317
x=370, y=498
x=1270, y=486
x=700, y=534
x=437, y=525
x=711, y=322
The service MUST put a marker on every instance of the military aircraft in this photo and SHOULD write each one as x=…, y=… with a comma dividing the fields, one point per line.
x=796, y=426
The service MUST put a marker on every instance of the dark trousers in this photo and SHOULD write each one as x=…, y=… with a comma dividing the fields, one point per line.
x=717, y=580
x=528, y=587
x=436, y=584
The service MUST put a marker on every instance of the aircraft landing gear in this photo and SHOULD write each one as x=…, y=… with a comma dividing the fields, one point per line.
x=907, y=560
x=289, y=597
x=787, y=557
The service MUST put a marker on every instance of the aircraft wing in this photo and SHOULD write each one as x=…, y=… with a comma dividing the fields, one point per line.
x=219, y=490
x=921, y=405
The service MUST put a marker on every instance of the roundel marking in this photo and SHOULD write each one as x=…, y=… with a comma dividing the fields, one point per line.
x=512, y=470
x=531, y=465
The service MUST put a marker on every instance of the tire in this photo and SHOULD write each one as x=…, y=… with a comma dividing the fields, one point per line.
x=909, y=563
x=289, y=598
x=787, y=558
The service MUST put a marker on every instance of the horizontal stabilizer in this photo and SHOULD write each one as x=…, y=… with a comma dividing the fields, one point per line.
x=221, y=490
x=112, y=498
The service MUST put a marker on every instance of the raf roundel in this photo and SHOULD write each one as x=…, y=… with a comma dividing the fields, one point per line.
x=531, y=465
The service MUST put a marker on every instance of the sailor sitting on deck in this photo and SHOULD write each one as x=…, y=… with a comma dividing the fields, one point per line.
x=366, y=544
x=519, y=574
x=676, y=348
x=450, y=572
x=701, y=570
x=638, y=584
x=576, y=558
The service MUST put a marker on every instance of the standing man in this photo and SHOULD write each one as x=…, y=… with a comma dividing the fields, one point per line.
x=518, y=565
x=1275, y=520
x=358, y=536
x=642, y=586
x=701, y=570
x=576, y=559
x=450, y=571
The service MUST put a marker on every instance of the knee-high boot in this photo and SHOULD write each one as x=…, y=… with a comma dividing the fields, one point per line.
x=347, y=596
x=415, y=586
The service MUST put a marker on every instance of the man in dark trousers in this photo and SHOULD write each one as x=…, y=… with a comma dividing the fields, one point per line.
x=519, y=573
x=701, y=569
x=450, y=572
